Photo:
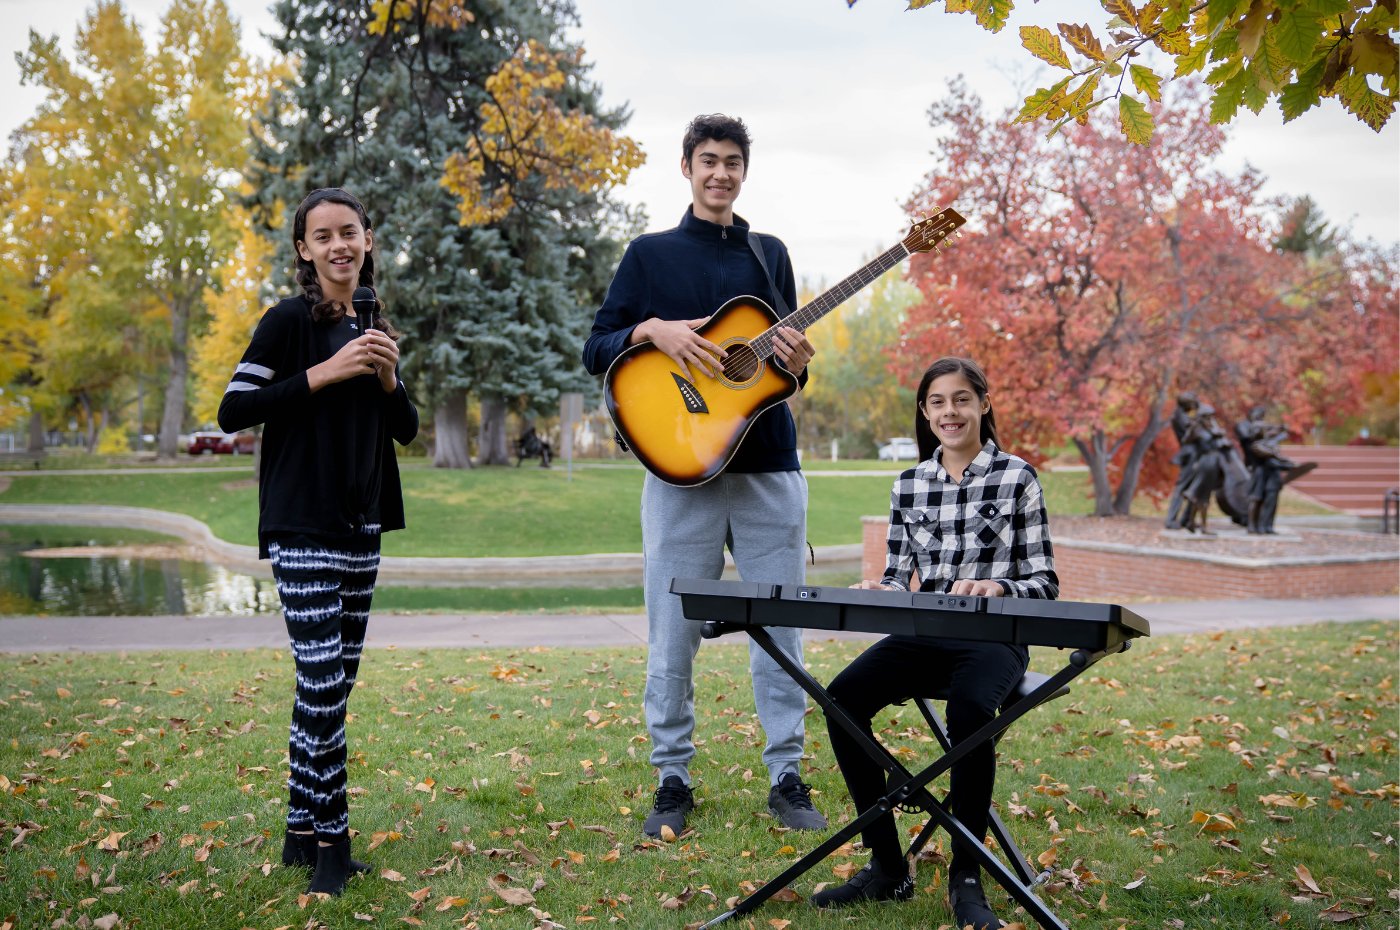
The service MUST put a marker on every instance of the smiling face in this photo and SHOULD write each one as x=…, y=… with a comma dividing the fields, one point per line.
x=954, y=413
x=336, y=244
x=716, y=171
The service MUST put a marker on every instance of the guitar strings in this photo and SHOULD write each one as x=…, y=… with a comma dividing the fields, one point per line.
x=830, y=299
x=742, y=361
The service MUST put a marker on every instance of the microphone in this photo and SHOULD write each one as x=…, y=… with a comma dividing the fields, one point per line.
x=365, y=302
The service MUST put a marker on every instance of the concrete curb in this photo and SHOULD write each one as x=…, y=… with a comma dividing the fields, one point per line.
x=581, y=631
x=620, y=566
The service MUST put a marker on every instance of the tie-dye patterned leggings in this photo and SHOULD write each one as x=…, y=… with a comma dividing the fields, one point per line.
x=326, y=590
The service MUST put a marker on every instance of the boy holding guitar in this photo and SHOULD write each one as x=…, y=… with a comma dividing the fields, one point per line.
x=666, y=287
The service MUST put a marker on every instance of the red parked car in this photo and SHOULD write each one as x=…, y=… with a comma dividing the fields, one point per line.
x=213, y=442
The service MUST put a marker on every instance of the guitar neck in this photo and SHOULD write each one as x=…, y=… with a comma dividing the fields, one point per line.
x=831, y=298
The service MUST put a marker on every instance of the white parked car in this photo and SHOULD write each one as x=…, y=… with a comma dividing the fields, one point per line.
x=901, y=447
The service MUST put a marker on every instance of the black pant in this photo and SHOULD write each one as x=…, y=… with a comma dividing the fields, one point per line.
x=975, y=677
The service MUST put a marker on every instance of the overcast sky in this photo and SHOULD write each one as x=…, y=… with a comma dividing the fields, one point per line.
x=836, y=100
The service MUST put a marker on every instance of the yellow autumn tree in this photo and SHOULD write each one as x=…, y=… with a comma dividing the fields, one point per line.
x=235, y=301
x=142, y=146
x=857, y=400
x=1250, y=52
x=525, y=134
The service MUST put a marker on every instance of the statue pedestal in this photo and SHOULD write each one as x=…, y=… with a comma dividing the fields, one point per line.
x=1231, y=534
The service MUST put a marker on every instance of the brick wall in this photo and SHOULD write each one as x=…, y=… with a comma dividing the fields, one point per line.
x=1093, y=572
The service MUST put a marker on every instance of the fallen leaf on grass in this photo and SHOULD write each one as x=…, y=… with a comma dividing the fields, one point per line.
x=1213, y=823
x=448, y=903
x=1297, y=800
x=518, y=897
x=1305, y=879
x=111, y=842
x=381, y=837
x=1338, y=914
x=677, y=901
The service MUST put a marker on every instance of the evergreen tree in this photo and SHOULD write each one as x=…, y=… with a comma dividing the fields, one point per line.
x=495, y=311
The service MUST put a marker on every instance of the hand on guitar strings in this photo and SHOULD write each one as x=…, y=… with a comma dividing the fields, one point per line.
x=793, y=349
x=681, y=343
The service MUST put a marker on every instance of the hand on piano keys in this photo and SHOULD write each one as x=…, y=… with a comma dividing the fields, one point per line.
x=963, y=587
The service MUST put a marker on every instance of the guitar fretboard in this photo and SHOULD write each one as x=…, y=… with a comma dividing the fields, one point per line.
x=831, y=298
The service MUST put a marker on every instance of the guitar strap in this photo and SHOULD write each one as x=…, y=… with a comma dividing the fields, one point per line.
x=778, y=298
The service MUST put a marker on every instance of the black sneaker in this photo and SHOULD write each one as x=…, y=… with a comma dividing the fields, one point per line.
x=969, y=903
x=673, y=802
x=869, y=884
x=790, y=800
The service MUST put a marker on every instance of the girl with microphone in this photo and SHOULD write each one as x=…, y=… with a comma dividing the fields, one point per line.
x=321, y=375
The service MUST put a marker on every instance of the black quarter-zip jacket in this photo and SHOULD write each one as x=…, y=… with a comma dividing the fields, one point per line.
x=328, y=464
x=687, y=273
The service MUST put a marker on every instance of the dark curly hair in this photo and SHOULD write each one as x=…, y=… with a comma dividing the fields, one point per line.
x=719, y=127
x=324, y=309
x=950, y=365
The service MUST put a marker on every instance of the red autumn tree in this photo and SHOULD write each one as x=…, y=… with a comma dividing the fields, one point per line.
x=1096, y=279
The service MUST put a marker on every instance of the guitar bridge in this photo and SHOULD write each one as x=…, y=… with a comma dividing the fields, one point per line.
x=690, y=395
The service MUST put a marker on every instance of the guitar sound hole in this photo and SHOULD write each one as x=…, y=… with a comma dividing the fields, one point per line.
x=741, y=364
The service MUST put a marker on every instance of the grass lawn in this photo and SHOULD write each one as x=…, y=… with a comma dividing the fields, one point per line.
x=485, y=511
x=1229, y=781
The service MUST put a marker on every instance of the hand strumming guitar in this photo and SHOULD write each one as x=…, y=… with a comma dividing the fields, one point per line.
x=680, y=343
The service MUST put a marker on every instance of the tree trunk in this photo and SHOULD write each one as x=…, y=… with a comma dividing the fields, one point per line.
x=37, y=445
x=450, y=429
x=1096, y=457
x=491, y=440
x=1127, y=484
x=172, y=418
x=93, y=427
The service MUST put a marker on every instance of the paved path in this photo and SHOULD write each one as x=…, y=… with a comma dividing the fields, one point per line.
x=482, y=631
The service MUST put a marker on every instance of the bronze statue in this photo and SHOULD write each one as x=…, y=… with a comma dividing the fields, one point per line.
x=1204, y=472
x=1269, y=469
x=1182, y=418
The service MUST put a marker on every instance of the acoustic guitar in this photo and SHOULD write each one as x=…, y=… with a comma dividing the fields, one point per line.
x=685, y=432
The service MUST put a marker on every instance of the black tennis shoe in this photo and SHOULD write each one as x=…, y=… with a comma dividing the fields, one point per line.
x=969, y=903
x=790, y=800
x=673, y=802
x=869, y=884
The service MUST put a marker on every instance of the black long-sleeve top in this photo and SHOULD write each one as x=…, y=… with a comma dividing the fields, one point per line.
x=328, y=465
x=687, y=273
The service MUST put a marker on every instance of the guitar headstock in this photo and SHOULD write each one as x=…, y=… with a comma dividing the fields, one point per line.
x=930, y=232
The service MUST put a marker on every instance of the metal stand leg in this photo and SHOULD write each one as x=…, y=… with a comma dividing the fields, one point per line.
x=905, y=788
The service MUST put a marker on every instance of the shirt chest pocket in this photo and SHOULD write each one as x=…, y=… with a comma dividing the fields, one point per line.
x=988, y=524
x=923, y=526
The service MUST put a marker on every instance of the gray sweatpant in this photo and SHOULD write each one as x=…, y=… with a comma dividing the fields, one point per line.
x=762, y=518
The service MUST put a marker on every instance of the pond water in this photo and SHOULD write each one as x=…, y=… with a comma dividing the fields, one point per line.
x=112, y=585
x=127, y=572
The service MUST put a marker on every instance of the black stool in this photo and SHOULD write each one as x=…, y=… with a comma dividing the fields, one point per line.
x=1023, y=866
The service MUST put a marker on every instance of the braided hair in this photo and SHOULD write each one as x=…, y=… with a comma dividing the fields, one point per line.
x=325, y=309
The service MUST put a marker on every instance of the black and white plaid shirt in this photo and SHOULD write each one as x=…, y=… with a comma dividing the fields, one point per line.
x=991, y=525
